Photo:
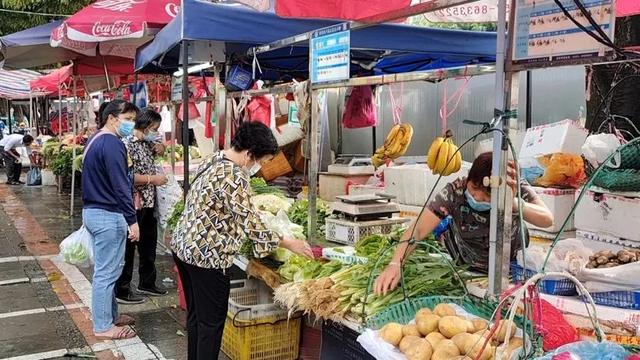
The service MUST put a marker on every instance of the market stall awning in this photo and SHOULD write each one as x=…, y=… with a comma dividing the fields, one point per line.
x=14, y=84
x=30, y=48
x=239, y=28
x=119, y=27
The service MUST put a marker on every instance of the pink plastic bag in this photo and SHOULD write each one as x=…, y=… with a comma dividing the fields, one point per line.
x=360, y=110
x=259, y=109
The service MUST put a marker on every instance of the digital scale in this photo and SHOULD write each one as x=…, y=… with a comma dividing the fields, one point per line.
x=352, y=165
x=365, y=207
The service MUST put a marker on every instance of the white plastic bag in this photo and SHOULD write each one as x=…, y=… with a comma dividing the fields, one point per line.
x=620, y=278
x=568, y=255
x=77, y=248
x=598, y=147
x=166, y=198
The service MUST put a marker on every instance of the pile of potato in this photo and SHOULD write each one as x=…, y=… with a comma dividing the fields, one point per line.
x=441, y=334
x=607, y=259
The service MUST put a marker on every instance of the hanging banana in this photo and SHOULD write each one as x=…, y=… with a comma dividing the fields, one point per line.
x=395, y=145
x=443, y=157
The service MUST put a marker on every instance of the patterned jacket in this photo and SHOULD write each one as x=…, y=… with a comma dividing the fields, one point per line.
x=218, y=216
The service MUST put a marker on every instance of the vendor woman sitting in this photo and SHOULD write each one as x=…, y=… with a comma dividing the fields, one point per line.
x=468, y=202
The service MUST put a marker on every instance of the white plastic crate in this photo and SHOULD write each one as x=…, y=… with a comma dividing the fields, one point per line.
x=350, y=232
x=252, y=300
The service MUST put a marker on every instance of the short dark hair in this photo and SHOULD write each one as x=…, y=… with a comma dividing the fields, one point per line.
x=256, y=138
x=146, y=118
x=115, y=108
x=27, y=139
x=480, y=169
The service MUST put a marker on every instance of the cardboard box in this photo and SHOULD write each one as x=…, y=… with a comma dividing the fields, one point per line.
x=332, y=185
x=550, y=154
x=560, y=202
x=411, y=184
x=609, y=214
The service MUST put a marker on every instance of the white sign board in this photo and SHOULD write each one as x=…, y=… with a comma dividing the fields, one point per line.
x=543, y=33
x=475, y=12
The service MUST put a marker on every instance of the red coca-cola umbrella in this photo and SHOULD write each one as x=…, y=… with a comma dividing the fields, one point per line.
x=119, y=26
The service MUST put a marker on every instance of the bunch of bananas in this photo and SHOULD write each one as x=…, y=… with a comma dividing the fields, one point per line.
x=443, y=157
x=395, y=145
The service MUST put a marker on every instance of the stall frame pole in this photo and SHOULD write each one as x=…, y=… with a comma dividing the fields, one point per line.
x=185, y=115
x=73, y=150
x=9, y=104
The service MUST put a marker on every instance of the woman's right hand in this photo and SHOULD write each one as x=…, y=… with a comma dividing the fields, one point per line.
x=388, y=280
x=299, y=247
x=134, y=232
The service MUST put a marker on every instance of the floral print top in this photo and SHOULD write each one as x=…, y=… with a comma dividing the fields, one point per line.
x=141, y=154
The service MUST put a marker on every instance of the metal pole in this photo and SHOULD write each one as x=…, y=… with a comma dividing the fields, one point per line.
x=173, y=139
x=228, y=118
x=9, y=116
x=220, y=101
x=135, y=88
x=501, y=195
x=30, y=111
x=528, y=108
x=314, y=150
x=59, y=111
x=73, y=150
x=185, y=114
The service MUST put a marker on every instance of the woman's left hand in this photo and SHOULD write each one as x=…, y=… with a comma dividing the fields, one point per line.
x=159, y=149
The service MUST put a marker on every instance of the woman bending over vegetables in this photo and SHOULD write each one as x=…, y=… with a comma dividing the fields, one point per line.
x=468, y=202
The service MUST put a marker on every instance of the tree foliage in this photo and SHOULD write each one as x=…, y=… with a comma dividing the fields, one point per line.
x=12, y=22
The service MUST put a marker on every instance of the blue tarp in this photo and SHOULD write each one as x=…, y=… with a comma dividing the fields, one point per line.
x=30, y=48
x=377, y=49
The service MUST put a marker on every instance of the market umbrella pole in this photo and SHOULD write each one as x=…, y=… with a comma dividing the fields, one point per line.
x=185, y=115
x=73, y=149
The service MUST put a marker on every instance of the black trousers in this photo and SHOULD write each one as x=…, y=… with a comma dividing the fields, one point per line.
x=207, y=295
x=146, y=252
x=12, y=168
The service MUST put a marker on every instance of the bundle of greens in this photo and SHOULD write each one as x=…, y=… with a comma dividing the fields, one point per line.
x=372, y=245
x=299, y=214
x=298, y=268
x=175, y=215
x=259, y=186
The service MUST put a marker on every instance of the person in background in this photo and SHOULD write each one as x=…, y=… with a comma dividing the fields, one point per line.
x=2, y=127
x=142, y=147
x=468, y=202
x=218, y=216
x=108, y=213
x=12, y=161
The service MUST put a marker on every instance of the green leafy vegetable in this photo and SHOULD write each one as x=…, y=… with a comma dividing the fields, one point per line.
x=76, y=254
x=172, y=222
x=298, y=268
x=259, y=186
x=299, y=214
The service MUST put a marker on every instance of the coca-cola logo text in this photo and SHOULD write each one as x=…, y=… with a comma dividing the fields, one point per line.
x=172, y=9
x=116, y=5
x=117, y=29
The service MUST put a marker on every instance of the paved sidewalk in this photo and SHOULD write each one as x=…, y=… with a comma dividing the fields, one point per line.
x=44, y=310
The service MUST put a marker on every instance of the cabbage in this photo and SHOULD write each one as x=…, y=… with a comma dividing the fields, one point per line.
x=76, y=254
x=281, y=254
x=270, y=203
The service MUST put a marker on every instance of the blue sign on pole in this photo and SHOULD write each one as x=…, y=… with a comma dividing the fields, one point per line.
x=330, y=54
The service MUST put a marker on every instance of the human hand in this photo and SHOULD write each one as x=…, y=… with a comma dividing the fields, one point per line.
x=299, y=247
x=512, y=177
x=159, y=180
x=134, y=233
x=388, y=280
x=159, y=149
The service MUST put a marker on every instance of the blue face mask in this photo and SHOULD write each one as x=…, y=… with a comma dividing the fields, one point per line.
x=479, y=206
x=151, y=136
x=126, y=128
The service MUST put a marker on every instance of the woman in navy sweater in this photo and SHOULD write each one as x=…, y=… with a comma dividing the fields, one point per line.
x=109, y=214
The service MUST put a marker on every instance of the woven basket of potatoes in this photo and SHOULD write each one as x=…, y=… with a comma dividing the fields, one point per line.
x=442, y=333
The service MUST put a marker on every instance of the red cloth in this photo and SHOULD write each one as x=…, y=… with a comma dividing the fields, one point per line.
x=259, y=109
x=627, y=8
x=337, y=9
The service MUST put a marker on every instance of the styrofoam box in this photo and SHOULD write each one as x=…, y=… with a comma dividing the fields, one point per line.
x=559, y=202
x=411, y=184
x=357, y=189
x=516, y=136
x=609, y=214
x=565, y=136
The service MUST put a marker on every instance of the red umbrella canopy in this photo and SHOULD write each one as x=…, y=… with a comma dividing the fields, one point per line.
x=122, y=25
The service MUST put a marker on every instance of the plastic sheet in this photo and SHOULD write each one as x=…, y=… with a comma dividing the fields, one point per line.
x=167, y=196
x=569, y=255
x=587, y=350
x=620, y=278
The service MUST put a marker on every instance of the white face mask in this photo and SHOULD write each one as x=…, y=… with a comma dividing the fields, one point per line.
x=254, y=169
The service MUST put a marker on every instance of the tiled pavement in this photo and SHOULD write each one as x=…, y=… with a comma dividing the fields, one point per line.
x=43, y=302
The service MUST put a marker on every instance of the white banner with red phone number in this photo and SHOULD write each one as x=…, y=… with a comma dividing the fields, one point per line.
x=475, y=12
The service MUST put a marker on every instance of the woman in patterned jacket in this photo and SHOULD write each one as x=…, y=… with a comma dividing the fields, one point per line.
x=218, y=216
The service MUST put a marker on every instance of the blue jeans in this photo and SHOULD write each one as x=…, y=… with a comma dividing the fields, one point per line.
x=109, y=231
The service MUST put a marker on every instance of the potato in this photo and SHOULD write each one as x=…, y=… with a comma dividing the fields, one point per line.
x=391, y=333
x=407, y=342
x=419, y=350
x=434, y=339
x=463, y=340
x=411, y=329
x=451, y=326
x=427, y=323
x=443, y=310
x=424, y=311
x=479, y=324
x=501, y=334
x=445, y=350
